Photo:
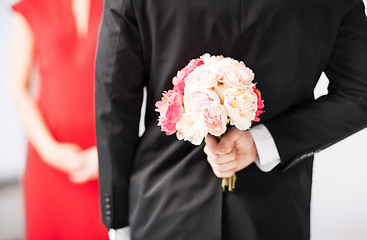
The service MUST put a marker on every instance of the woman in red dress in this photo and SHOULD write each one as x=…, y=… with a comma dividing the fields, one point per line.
x=59, y=39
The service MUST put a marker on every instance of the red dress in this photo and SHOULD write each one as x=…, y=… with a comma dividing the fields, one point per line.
x=55, y=207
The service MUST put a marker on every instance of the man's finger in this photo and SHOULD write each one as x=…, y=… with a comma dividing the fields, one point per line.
x=225, y=166
x=211, y=144
x=227, y=142
x=221, y=159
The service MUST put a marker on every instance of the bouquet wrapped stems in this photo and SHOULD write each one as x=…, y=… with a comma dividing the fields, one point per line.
x=229, y=182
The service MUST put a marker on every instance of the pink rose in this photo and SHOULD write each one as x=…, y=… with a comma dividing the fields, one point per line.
x=215, y=118
x=203, y=113
x=260, y=104
x=205, y=105
x=194, y=101
x=170, y=109
x=179, y=80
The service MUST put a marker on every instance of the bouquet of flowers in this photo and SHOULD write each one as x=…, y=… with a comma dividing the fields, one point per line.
x=209, y=94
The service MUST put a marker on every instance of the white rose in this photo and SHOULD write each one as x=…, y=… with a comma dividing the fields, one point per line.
x=191, y=128
x=204, y=76
x=235, y=74
x=194, y=101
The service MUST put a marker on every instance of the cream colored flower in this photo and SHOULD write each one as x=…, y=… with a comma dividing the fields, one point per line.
x=210, y=60
x=241, y=106
x=191, y=128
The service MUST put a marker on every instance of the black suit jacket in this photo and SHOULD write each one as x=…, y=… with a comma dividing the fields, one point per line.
x=164, y=188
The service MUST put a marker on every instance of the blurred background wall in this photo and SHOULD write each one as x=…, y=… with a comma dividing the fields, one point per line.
x=12, y=147
x=339, y=198
x=12, y=141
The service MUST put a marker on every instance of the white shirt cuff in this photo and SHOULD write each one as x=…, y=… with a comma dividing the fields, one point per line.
x=119, y=234
x=268, y=155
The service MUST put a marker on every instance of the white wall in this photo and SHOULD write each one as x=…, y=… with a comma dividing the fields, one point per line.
x=12, y=143
x=339, y=191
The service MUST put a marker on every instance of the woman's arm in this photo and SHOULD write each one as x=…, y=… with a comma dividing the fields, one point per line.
x=63, y=156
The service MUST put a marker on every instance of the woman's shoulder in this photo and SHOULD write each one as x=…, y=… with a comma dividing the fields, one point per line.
x=38, y=7
x=35, y=12
x=26, y=5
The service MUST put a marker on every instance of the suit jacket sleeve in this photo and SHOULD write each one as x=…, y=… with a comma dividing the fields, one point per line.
x=118, y=97
x=302, y=131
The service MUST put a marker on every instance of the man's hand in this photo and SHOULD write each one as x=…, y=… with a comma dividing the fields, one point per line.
x=235, y=151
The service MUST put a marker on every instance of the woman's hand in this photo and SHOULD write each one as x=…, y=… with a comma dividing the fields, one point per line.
x=235, y=151
x=66, y=157
x=80, y=165
x=89, y=170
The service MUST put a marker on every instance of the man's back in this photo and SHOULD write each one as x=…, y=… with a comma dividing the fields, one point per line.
x=164, y=188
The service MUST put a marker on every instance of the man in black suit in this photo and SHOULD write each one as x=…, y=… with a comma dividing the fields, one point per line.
x=164, y=188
